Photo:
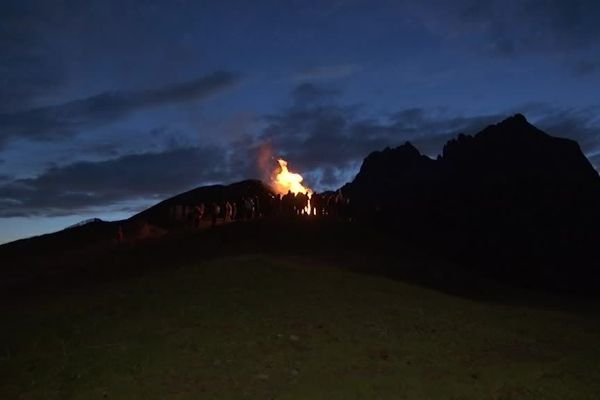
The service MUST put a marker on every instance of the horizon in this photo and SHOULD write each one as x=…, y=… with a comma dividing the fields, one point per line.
x=126, y=215
x=107, y=108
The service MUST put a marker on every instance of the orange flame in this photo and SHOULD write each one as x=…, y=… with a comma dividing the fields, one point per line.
x=285, y=181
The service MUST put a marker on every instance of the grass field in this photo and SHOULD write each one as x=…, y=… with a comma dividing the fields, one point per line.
x=264, y=326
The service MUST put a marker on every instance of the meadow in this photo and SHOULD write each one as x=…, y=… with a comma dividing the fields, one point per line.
x=273, y=325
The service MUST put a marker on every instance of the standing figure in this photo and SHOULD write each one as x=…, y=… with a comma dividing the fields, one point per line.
x=228, y=211
x=216, y=210
x=301, y=203
x=120, y=234
x=287, y=203
x=199, y=213
x=277, y=208
x=248, y=208
x=315, y=206
x=234, y=211
x=258, y=211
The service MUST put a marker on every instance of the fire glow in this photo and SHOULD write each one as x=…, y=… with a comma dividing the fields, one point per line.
x=285, y=181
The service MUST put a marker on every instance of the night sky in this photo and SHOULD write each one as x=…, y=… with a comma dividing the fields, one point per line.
x=107, y=107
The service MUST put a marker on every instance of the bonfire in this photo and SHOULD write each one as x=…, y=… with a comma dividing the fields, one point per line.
x=284, y=181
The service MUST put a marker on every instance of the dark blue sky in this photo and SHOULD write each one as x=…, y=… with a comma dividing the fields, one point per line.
x=108, y=106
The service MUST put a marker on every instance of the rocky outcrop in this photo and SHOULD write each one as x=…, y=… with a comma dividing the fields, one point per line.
x=511, y=200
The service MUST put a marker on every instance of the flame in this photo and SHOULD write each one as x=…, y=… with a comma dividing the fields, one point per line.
x=285, y=181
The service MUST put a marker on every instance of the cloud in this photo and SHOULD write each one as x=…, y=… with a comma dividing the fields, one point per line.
x=28, y=69
x=429, y=128
x=543, y=24
x=509, y=29
x=67, y=119
x=585, y=68
x=83, y=185
x=307, y=93
x=322, y=138
x=326, y=140
x=326, y=72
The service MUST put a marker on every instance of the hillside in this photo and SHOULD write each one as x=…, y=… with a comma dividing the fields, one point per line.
x=510, y=202
x=266, y=326
x=153, y=222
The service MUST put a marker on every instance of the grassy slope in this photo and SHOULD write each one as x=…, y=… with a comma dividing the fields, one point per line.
x=267, y=326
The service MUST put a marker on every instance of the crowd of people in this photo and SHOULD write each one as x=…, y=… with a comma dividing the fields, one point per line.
x=332, y=205
x=323, y=205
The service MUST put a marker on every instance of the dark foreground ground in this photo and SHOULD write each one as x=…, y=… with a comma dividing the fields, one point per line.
x=283, y=310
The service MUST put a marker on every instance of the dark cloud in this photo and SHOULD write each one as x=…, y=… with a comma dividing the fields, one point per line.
x=102, y=149
x=326, y=72
x=339, y=135
x=83, y=185
x=306, y=93
x=429, y=129
x=28, y=69
x=323, y=139
x=64, y=120
x=327, y=141
x=515, y=28
x=585, y=68
x=549, y=24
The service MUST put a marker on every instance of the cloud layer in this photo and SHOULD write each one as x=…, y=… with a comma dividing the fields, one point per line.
x=84, y=185
x=322, y=138
x=67, y=119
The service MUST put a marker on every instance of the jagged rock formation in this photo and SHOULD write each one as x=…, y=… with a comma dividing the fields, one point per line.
x=511, y=200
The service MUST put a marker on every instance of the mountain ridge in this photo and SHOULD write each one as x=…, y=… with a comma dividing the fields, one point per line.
x=512, y=191
x=510, y=201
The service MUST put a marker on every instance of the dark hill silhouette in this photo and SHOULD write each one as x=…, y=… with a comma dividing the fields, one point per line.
x=78, y=247
x=98, y=233
x=158, y=215
x=512, y=201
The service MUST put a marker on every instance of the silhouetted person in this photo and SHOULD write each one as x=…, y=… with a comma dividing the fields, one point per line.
x=190, y=216
x=287, y=203
x=234, y=211
x=198, y=214
x=120, y=234
x=240, y=207
x=315, y=204
x=228, y=212
x=347, y=213
x=258, y=211
x=277, y=208
x=301, y=201
x=248, y=208
x=331, y=210
x=179, y=211
x=340, y=204
x=216, y=210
